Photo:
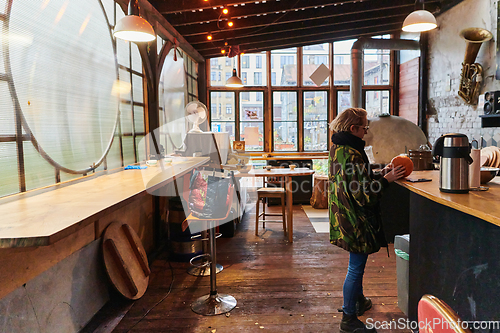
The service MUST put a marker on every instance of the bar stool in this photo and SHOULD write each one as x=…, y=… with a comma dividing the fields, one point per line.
x=278, y=191
x=200, y=264
x=213, y=303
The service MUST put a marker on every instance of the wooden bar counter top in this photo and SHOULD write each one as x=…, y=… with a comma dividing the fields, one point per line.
x=481, y=204
x=42, y=217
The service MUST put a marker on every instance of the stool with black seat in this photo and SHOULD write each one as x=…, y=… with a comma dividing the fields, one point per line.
x=214, y=303
x=277, y=190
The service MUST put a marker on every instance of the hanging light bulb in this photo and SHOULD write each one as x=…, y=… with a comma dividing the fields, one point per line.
x=209, y=37
x=225, y=11
x=134, y=28
x=230, y=23
x=234, y=81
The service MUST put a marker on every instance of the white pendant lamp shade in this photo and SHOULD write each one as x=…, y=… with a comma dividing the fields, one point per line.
x=234, y=81
x=419, y=20
x=134, y=28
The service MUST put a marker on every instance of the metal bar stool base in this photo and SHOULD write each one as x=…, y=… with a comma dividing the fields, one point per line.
x=203, y=271
x=211, y=305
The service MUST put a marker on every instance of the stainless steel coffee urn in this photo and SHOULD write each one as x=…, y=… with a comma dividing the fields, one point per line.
x=454, y=150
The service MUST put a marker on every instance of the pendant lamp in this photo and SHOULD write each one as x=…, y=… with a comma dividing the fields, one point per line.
x=419, y=20
x=134, y=28
x=234, y=81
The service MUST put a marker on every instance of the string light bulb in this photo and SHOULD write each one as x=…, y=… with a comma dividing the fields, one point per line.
x=209, y=37
x=223, y=51
x=230, y=23
x=225, y=11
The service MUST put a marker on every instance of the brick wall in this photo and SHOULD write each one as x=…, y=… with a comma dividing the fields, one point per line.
x=447, y=112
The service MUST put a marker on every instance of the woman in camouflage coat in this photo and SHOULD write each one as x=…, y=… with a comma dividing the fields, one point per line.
x=353, y=197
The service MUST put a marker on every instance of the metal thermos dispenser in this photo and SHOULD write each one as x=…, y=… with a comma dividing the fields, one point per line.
x=454, y=150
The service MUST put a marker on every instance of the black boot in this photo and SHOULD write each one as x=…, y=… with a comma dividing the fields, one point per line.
x=351, y=324
x=363, y=304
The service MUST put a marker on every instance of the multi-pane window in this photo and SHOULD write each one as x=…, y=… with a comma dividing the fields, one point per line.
x=285, y=120
x=223, y=121
x=315, y=120
x=314, y=56
x=305, y=96
x=252, y=121
x=256, y=69
x=286, y=69
x=72, y=102
x=221, y=66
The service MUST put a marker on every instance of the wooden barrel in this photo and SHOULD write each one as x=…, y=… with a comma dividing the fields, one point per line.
x=319, y=198
x=182, y=247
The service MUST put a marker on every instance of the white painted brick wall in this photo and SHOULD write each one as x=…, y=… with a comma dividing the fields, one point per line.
x=446, y=53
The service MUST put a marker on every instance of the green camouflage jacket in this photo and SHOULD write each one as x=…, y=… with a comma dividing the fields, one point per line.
x=353, y=197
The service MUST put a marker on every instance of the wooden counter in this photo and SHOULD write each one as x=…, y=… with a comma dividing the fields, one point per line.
x=454, y=247
x=481, y=204
x=42, y=217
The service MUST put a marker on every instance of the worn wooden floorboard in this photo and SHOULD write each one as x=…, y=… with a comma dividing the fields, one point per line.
x=279, y=287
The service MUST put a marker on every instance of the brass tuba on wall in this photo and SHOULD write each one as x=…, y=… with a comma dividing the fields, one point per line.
x=471, y=76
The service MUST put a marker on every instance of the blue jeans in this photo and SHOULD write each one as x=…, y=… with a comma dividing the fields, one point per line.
x=353, y=284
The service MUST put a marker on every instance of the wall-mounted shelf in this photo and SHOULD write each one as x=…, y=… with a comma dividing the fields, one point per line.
x=490, y=120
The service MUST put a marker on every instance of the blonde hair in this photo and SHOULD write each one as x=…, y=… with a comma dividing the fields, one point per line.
x=348, y=117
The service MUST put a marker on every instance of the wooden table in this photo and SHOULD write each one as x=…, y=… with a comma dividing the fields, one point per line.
x=287, y=174
x=42, y=217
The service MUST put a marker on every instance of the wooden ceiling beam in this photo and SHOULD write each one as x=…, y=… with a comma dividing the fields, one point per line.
x=304, y=35
x=294, y=27
x=171, y=7
x=297, y=42
x=271, y=7
x=299, y=16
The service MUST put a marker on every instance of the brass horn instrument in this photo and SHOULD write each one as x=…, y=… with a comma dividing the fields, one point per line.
x=471, y=76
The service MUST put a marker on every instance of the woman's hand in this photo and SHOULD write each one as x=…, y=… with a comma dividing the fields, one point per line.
x=387, y=169
x=395, y=173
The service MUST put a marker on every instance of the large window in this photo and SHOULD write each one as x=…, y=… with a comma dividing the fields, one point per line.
x=254, y=68
x=314, y=56
x=315, y=120
x=71, y=81
x=285, y=120
x=298, y=106
x=285, y=66
x=252, y=121
x=222, y=117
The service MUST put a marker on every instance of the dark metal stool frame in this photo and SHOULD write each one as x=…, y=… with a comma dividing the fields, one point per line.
x=213, y=303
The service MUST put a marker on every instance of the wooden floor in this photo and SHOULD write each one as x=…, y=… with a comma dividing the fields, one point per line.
x=279, y=287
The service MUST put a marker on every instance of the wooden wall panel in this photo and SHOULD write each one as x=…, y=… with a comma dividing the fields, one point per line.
x=408, y=90
x=19, y=265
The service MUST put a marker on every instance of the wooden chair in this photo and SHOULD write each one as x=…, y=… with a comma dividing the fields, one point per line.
x=441, y=318
x=213, y=303
x=276, y=191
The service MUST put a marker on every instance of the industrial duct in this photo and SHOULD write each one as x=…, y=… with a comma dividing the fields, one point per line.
x=357, y=60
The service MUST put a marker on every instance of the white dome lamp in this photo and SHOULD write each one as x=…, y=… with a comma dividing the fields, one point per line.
x=234, y=81
x=419, y=21
x=134, y=28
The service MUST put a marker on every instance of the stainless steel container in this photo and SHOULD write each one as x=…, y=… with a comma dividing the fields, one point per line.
x=454, y=151
x=422, y=159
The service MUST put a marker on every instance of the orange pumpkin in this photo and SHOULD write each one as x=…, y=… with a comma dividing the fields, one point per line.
x=404, y=161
